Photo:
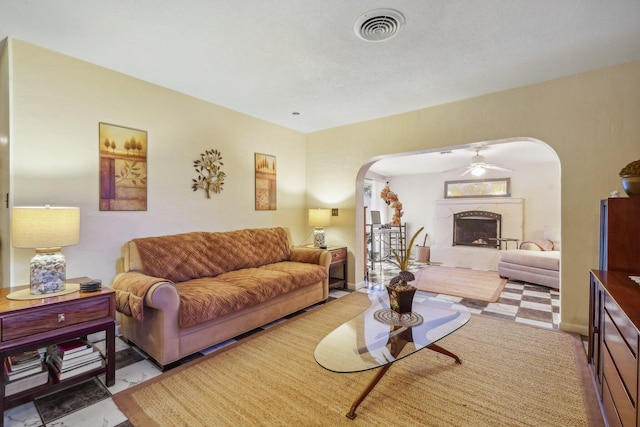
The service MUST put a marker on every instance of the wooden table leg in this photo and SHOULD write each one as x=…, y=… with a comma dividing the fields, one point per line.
x=352, y=412
x=439, y=349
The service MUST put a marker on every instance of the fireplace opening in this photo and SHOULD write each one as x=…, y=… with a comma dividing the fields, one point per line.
x=477, y=228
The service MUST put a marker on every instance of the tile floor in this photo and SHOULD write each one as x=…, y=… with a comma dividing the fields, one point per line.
x=89, y=404
x=520, y=302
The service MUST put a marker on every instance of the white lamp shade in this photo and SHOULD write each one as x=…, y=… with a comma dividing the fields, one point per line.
x=45, y=226
x=320, y=217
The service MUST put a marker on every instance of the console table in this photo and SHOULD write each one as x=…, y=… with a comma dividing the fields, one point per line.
x=35, y=323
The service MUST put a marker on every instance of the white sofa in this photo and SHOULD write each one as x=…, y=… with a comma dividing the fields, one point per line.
x=535, y=262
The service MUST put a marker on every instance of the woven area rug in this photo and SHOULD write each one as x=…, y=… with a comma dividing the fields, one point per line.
x=511, y=375
x=460, y=282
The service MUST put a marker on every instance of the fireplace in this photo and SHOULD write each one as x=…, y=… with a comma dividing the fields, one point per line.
x=477, y=228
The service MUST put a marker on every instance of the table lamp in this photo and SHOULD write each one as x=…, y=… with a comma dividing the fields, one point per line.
x=319, y=218
x=46, y=229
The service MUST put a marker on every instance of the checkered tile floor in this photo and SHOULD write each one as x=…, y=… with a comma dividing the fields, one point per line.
x=521, y=302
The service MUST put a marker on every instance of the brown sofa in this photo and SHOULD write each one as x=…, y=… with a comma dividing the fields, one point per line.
x=179, y=294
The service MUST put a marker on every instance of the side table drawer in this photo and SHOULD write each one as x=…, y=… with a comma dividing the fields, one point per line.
x=17, y=325
x=338, y=255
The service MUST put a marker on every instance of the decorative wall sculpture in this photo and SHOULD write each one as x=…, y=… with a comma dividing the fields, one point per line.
x=123, y=168
x=210, y=176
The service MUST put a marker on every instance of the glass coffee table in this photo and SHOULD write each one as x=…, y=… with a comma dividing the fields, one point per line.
x=379, y=337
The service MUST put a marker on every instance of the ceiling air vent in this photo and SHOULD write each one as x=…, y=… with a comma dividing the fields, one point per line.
x=379, y=25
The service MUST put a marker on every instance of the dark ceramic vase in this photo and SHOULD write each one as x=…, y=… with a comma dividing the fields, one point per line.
x=401, y=300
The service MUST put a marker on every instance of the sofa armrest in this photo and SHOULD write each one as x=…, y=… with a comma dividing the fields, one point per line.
x=155, y=292
x=310, y=255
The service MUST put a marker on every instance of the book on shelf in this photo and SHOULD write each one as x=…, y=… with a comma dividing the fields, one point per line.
x=34, y=380
x=11, y=375
x=66, y=364
x=74, y=348
x=77, y=370
x=24, y=360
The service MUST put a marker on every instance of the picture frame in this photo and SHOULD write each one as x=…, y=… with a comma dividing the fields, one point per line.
x=495, y=187
x=123, y=168
x=265, y=182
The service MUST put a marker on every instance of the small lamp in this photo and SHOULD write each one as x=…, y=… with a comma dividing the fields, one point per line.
x=319, y=218
x=46, y=229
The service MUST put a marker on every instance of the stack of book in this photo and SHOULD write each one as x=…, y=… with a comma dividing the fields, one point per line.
x=23, y=371
x=72, y=358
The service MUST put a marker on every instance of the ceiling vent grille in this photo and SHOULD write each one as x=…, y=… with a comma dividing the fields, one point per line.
x=379, y=25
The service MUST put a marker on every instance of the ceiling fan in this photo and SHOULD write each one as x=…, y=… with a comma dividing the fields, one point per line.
x=478, y=166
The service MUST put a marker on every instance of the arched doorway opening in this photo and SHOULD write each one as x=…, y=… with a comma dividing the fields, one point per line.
x=530, y=165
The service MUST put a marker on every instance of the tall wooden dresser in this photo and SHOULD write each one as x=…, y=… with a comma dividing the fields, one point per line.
x=614, y=324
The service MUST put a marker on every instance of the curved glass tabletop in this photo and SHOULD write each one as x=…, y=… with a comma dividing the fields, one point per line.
x=377, y=337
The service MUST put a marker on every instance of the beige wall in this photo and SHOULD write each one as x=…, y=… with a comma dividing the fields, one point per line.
x=58, y=102
x=4, y=156
x=591, y=120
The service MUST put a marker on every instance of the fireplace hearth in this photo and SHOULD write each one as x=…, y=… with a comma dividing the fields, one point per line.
x=477, y=228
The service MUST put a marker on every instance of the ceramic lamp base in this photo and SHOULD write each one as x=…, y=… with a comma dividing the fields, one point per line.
x=48, y=273
x=318, y=238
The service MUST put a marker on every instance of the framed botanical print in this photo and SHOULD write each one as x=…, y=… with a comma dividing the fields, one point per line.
x=265, y=178
x=123, y=168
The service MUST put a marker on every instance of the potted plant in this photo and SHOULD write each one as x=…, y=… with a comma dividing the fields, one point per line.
x=630, y=175
x=400, y=291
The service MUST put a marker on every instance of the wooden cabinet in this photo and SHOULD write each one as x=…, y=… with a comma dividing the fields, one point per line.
x=614, y=339
x=35, y=323
x=614, y=313
x=338, y=267
x=620, y=234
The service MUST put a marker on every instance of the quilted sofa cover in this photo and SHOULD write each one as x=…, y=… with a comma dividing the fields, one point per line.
x=181, y=293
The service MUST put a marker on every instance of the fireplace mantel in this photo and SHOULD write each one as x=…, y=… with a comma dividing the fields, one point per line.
x=485, y=258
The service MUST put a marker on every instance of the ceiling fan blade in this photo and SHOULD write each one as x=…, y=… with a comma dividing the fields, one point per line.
x=466, y=171
x=496, y=167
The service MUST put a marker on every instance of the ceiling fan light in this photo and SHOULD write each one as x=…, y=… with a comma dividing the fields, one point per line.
x=478, y=171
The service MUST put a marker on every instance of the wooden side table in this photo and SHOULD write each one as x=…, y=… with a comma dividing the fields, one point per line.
x=35, y=323
x=338, y=262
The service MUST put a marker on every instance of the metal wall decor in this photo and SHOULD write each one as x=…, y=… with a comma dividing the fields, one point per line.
x=210, y=176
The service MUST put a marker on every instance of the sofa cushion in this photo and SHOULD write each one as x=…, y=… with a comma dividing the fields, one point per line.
x=209, y=298
x=549, y=260
x=537, y=245
x=301, y=273
x=182, y=257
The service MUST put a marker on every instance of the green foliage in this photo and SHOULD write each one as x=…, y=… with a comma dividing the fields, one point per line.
x=402, y=259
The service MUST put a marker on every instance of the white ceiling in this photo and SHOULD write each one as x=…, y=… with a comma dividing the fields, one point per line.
x=509, y=154
x=270, y=58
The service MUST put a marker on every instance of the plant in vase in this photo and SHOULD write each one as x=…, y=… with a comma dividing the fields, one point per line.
x=400, y=291
x=424, y=251
x=630, y=176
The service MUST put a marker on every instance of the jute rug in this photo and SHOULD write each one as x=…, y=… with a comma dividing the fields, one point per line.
x=460, y=282
x=511, y=375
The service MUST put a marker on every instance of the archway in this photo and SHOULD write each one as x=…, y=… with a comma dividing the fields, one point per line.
x=542, y=214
